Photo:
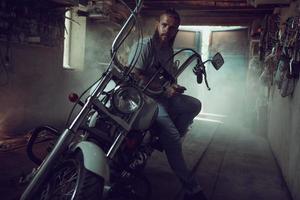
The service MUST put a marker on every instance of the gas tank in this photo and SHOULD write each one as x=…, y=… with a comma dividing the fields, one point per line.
x=147, y=115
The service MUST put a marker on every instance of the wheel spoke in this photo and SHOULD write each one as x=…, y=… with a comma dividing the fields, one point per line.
x=68, y=180
x=65, y=182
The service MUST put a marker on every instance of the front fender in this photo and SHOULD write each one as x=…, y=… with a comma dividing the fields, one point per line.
x=94, y=158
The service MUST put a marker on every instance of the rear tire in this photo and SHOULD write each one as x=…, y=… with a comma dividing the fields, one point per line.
x=71, y=181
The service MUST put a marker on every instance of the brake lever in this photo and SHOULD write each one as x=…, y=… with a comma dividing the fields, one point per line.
x=200, y=70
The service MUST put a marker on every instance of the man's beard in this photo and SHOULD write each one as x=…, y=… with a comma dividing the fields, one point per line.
x=156, y=38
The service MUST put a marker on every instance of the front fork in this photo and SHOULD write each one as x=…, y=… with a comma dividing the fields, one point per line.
x=44, y=168
x=63, y=144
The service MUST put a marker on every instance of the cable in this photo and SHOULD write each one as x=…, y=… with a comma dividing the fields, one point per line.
x=138, y=49
x=140, y=39
x=140, y=35
x=134, y=16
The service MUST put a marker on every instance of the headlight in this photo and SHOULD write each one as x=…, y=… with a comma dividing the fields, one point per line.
x=127, y=99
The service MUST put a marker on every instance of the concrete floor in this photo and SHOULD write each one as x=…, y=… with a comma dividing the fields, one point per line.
x=231, y=162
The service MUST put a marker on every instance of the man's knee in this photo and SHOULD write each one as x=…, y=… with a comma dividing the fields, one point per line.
x=196, y=106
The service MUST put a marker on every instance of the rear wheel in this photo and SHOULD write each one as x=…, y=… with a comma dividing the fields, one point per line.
x=71, y=181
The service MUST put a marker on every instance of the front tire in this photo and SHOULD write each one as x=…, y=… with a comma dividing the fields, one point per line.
x=71, y=181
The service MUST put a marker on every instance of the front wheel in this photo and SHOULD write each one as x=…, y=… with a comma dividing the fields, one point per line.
x=71, y=181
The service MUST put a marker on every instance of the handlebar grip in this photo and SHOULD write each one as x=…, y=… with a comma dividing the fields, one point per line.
x=199, y=78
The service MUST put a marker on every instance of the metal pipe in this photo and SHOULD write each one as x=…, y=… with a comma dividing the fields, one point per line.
x=115, y=146
x=44, y=169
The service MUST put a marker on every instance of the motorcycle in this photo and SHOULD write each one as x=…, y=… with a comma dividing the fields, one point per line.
x=101, y=153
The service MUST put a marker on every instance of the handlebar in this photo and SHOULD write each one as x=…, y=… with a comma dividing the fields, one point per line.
x=124, y=32
x=199, y=69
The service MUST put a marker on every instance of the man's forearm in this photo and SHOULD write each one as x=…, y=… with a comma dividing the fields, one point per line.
x=139, y=74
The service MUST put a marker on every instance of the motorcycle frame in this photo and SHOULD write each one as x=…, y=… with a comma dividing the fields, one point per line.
x=115, y=69
x=62, y=144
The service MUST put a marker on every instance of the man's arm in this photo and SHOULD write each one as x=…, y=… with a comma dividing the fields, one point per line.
x=138, y=74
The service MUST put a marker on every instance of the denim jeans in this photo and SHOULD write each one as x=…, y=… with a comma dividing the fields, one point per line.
x=174, y=117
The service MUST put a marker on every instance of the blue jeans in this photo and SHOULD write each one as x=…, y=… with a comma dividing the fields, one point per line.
x=174, y=117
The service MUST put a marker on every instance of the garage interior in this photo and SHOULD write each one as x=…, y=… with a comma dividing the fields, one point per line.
x=244, y=144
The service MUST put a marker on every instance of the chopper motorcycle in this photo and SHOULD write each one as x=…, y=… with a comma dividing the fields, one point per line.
x=104, y=146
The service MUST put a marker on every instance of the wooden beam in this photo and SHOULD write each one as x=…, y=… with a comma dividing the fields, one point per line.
x=213, y=13
x=206, y=12
x=199, y=17
x=219, y=21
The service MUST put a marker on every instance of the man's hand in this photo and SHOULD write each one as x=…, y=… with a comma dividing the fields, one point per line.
x=179, y=88
x=143, y=79
x=174, y=89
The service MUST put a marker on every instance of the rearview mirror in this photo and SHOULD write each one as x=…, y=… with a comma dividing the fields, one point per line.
x=217, y=61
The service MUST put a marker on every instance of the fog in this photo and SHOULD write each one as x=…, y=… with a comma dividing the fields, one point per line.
x=227, y=96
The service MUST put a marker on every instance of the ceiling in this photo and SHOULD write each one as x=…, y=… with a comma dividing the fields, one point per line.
x=209, y=12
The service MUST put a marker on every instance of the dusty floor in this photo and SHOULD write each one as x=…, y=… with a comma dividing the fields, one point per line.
x=231, y=161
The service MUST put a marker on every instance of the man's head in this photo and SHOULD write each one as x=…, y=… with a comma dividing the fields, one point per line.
x=167, y=26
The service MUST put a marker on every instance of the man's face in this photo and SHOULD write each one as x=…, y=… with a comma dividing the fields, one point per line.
x=167, y=28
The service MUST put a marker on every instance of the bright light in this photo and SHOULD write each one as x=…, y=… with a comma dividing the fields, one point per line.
x=210, y=28
x=208, y=116
x=206, y=31
x=66, y=59
x=209, y=120
x=212, y=114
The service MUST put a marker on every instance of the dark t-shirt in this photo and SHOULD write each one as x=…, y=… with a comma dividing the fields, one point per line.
x=151, y=56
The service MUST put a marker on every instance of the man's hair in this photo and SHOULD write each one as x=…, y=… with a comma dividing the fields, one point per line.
x=171, y=12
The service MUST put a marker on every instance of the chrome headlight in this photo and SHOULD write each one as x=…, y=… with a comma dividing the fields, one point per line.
x=127, y=99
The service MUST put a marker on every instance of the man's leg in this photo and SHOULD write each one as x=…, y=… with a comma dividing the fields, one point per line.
x=184, y=108
x=170, y=140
